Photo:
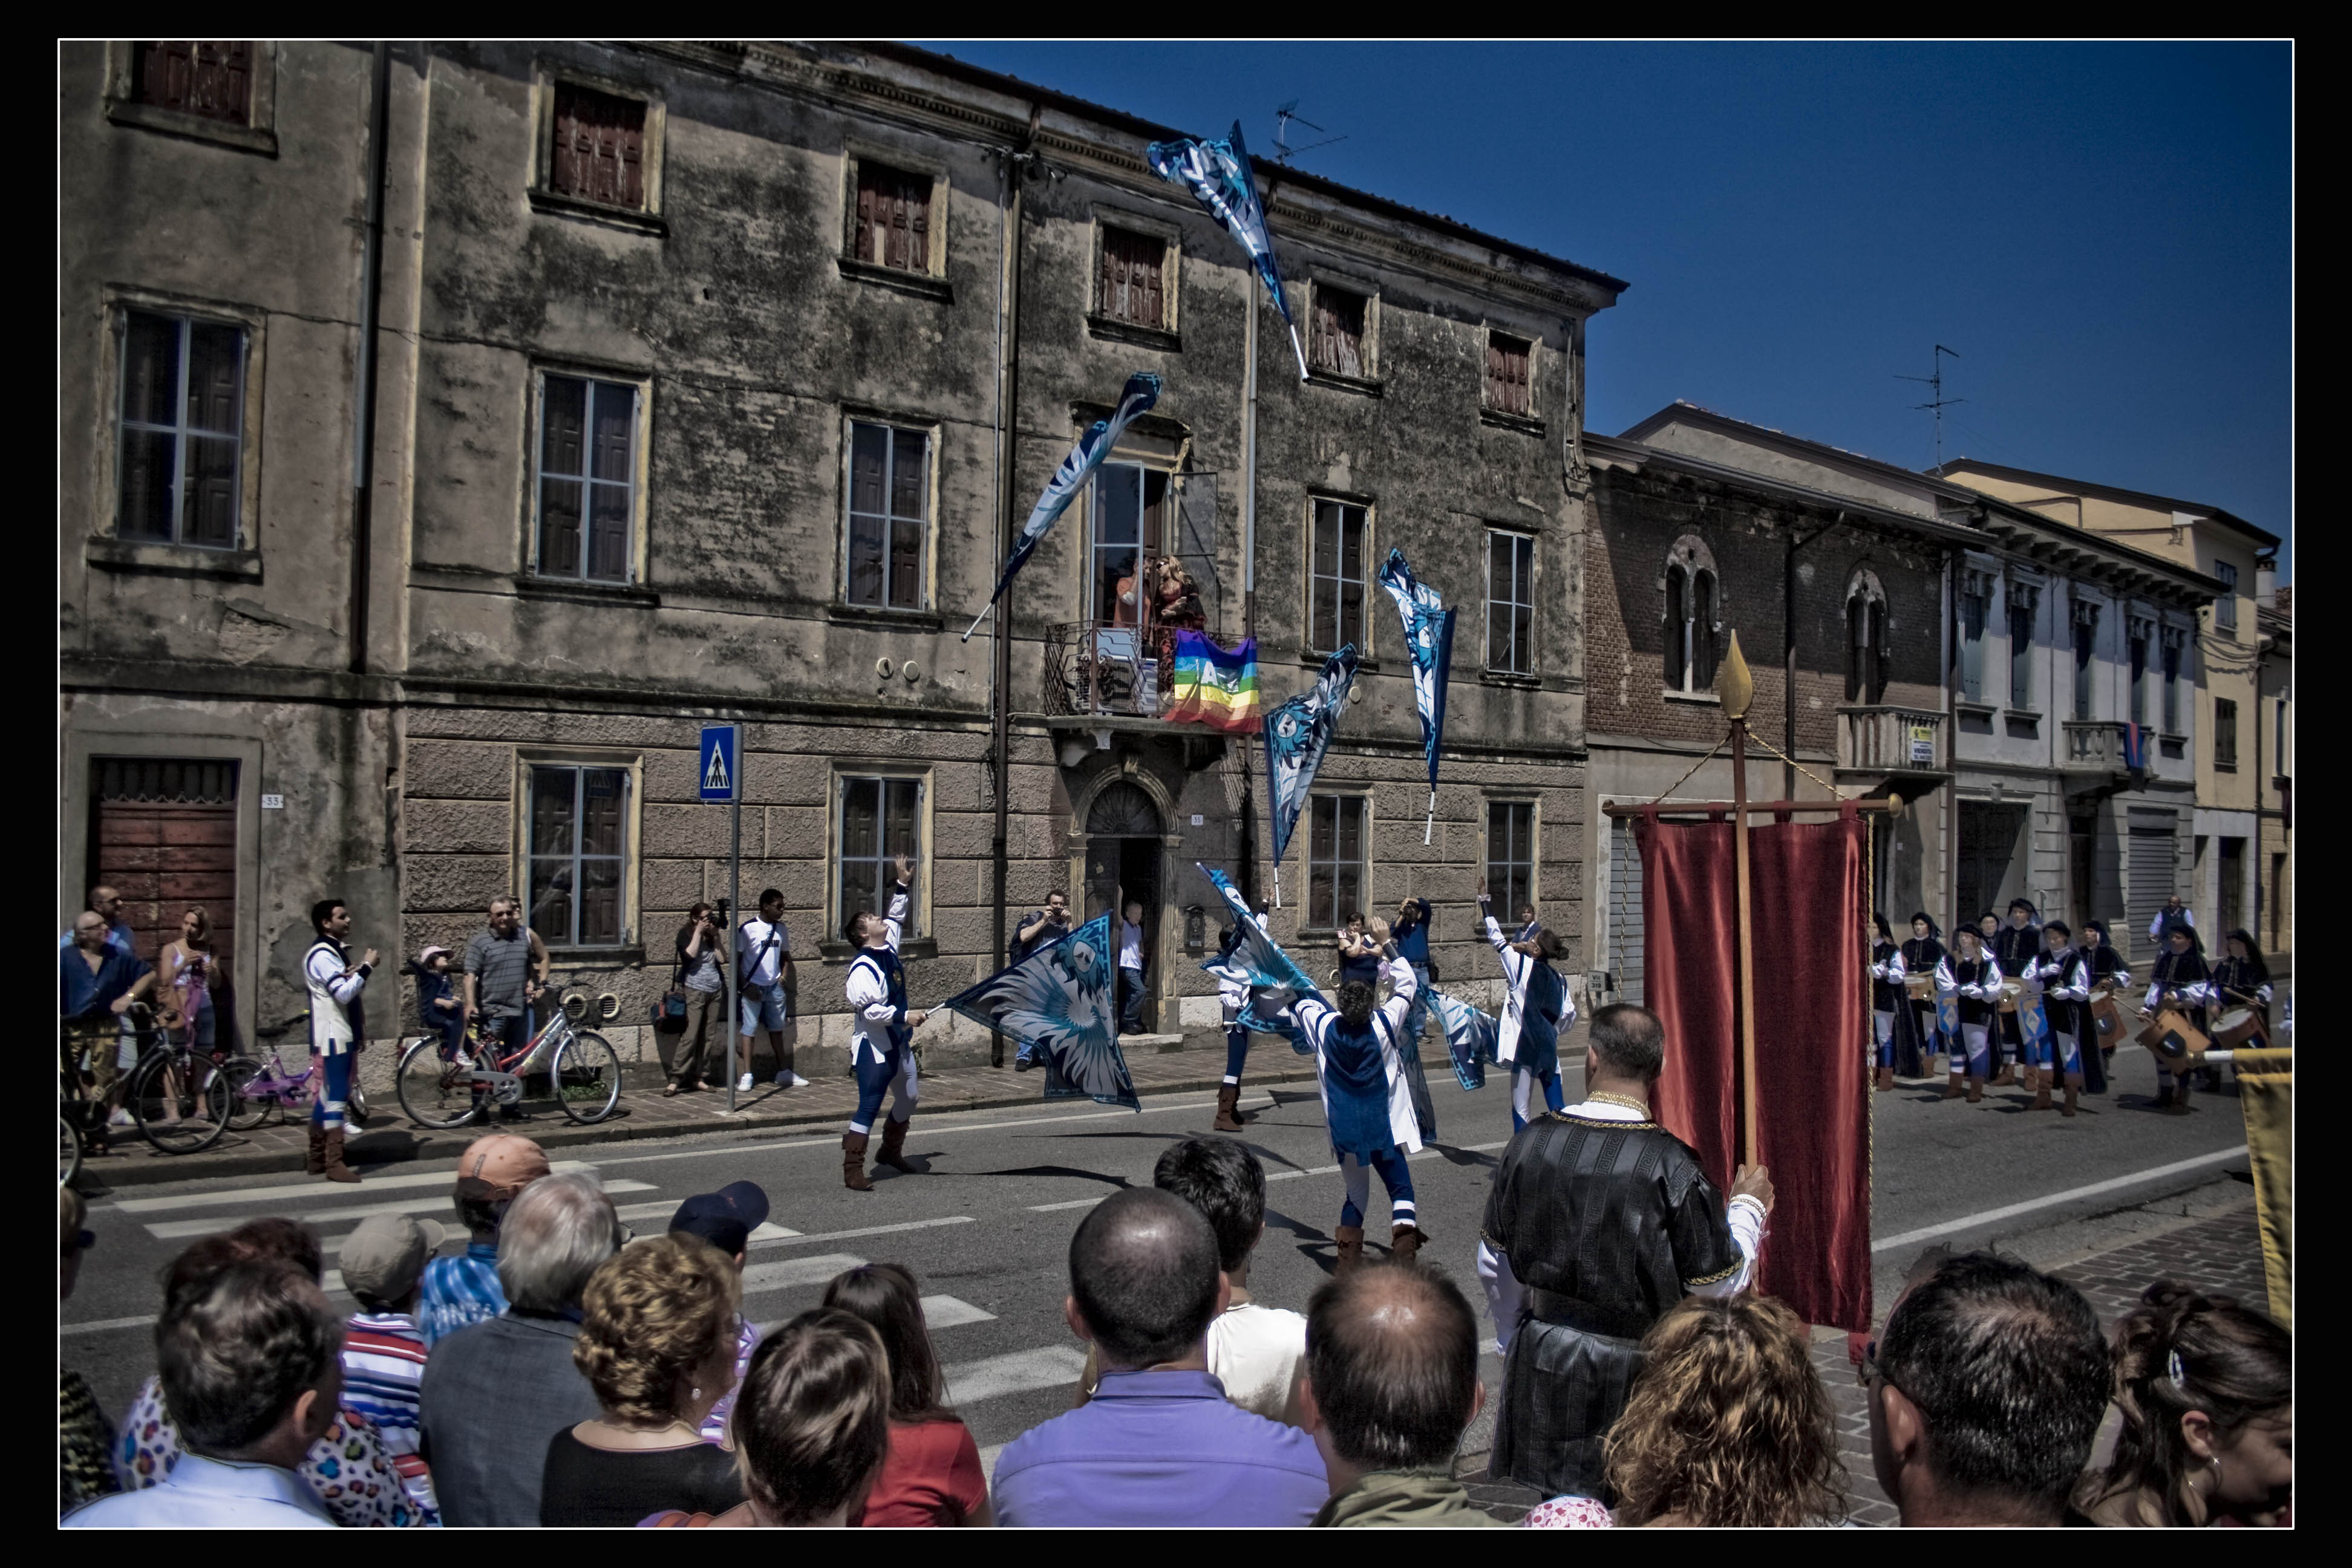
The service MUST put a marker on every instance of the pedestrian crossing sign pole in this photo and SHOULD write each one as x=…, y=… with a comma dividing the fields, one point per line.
x=721, y=776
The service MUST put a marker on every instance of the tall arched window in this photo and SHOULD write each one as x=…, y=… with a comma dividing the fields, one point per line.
x=1694, y=628
x=1865, y=640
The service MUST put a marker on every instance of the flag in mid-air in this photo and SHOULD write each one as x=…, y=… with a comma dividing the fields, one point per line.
x=1142, y=391
x=1470, y=1038
x=1257, y=962
x=1429, y=637
x=1297, y=734
x=1062, y=1002
x=1218, y=175
x=1215, y=686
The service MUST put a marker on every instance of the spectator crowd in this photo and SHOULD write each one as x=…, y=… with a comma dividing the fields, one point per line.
x=560, y=1372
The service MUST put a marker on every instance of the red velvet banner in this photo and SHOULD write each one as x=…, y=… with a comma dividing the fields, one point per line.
x=1807, y=910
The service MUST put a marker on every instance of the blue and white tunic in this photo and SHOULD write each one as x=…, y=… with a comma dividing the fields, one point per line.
x=1536, y=1008
x=1367, y=1098
x=877, y=990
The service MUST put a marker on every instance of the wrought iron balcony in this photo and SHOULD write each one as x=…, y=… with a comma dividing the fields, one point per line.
x=1886, y=738
x=1096, y=667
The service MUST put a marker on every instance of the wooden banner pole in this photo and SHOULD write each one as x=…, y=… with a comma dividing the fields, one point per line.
x=1747, y=943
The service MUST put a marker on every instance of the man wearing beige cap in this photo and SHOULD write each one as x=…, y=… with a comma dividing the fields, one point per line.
x=465, y=1290
x=383, y=1351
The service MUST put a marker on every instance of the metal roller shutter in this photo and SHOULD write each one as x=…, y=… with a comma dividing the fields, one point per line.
x=2153, y=870
x=1624, y=910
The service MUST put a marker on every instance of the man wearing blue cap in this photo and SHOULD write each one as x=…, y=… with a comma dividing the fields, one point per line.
x=726, y=1219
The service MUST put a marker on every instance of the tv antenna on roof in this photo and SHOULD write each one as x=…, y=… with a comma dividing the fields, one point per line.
x=1283, y=151
x=1940, y=403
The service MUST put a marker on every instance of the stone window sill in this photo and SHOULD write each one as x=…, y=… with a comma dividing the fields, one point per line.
x=1135, y=333
x=1525, y=423
x=1975, y=708
x=1696, y=699
x=579, y=590
x=832, y=953
x=1363, y=386
x=162, y=560
x=1511, y=678
x=922, y=285
x=595, y=957
x=194, y=127
x=877, y=616
x=1317, y=660
x=636, y=220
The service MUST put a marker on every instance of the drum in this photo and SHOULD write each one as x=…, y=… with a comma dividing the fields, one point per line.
x=2172, y=1037
x=2107, y=1020
x=1921, y=986
x=2238, y=1026
x=2009, y=991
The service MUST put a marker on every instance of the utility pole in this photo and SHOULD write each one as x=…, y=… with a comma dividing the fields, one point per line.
x=1939, y=402
x=999, y=737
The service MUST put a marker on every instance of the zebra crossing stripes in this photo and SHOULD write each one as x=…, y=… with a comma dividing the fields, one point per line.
x=422, y=1202
x=294, y=1192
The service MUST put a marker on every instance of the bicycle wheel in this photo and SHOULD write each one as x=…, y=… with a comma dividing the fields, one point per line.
x=181, y=1105
x=586, y=1073
x=433, y=1093
x=68, y=1151
x=246, y=1110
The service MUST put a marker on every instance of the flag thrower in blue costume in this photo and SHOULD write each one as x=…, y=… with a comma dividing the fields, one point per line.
x=1429, y=637
x=1085, y=457
x=1253, y=961
x=1218, y=175
x=1297, y=734
x=1061, y=1002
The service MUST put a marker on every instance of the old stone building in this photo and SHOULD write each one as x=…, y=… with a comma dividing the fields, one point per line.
x=406, y=547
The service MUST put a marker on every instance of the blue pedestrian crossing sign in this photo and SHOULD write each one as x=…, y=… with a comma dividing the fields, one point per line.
x=722, y=756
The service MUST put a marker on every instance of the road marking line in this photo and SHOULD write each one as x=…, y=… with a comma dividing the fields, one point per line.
x=663, y=1208
x=313, y=1188
x=1071, y=1203
x=175, y=1229
x=103, y=1325
x=765, y=1277
x=948, y=1312
x=1429, y=1153
x=2116, y=1183
x=1050, y=1366
x=930, y=1131
x=795, y=1240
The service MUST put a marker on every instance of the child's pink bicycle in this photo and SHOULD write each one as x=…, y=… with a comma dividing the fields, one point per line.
x=264, y=1087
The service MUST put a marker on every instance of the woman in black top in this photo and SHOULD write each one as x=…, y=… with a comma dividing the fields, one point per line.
x=1920, y=956
x=2179, y=979
x=2107, y=973
x=658, y=1343
x=701, y=974
x=1887, y=996
x=1974, y=979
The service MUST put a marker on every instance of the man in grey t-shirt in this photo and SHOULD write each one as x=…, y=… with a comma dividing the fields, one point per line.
x=506, y=969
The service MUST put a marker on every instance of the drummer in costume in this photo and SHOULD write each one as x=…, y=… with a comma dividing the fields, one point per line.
x=2179, y=979
x=1367, y=1100
x=2109, y=974
x=1975, y=979
x=1599, y=1220
x=2066, y=982
x=1535, y=1012
x=1920, y=956
x=1888, y=999
x=2016, y=947
x=881, y=1045
x=2241, y=980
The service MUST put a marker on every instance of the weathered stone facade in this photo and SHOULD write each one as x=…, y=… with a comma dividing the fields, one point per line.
x=742, y=337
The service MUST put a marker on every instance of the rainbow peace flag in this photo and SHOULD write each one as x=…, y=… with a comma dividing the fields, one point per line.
x=1212, y=686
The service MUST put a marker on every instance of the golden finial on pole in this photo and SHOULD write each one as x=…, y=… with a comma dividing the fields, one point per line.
x=1733, y=683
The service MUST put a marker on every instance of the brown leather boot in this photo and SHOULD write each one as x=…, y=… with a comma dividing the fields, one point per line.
x=2073, y=1087
x=314, y=1163
x=336, y=1171
x=2041, y=1096
x=2008, y=1075
x=1404, y=1243
x=2032, y=1079
x=894, y=1146
x=1350, y=1238
x=1886, y=1079
x=2178, y=1103
x=1953, y=1089
x=1228, y=1116
x=1975, y=1089
x=853, y=1163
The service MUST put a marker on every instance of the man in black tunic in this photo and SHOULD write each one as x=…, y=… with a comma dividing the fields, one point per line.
x=1599, y=1220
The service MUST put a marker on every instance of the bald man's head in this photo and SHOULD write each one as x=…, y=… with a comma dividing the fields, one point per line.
x=1143, y=1272
x=1392, y=1359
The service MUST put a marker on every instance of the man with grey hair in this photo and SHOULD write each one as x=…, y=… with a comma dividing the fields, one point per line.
x=494, y=1393
x=506, y=970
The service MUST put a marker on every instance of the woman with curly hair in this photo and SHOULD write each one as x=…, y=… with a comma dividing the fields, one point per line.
x=2206, y=1388
x=657, y=1344
x=1727, y=1424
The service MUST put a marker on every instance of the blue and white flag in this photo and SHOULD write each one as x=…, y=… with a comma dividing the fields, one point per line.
x=1429, y=637
x=1297, y=734
x=1470, y=1038
x=1218, y=175
x=1062, y=1003
x=1259, y=964
x=1085, y=457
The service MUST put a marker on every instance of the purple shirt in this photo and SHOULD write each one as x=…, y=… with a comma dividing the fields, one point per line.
x=1164, y=1449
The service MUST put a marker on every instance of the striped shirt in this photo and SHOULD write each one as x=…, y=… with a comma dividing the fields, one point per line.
x=459, y=1290
x=383, y=1362
x=498, y=965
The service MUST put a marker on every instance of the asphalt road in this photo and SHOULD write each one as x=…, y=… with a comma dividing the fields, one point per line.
x=987, y=1226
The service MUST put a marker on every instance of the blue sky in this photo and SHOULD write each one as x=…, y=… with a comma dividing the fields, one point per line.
x=2102, y=231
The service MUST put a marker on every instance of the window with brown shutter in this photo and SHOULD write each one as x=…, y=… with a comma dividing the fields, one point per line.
x=599, y=152
x=180, y=431
x=1507, y=374
x=209, y=78
x=1338, y=331
x=1133, y=265
x=894, y=217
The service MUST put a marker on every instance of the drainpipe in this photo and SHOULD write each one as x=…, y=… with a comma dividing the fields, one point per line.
x=1951, y=736
x=999, y=740
x=1789, y=653
x=364, y=367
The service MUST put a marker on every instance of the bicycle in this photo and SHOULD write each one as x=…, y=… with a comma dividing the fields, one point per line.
x=264, y=1086
x=180, y=1100
x=579, y=1066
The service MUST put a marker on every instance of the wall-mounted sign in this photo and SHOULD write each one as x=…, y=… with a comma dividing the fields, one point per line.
x=1923, y=745
x=273, y=802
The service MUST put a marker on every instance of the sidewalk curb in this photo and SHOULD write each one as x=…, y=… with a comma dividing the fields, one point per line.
x=116, y=1172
